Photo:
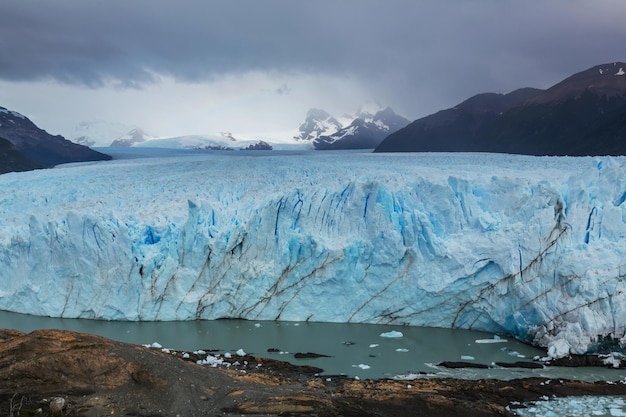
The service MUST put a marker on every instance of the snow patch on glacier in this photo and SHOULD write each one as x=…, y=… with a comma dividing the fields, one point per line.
x=526, y=246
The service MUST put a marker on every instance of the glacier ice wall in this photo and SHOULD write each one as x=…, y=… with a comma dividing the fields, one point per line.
x=532, y=247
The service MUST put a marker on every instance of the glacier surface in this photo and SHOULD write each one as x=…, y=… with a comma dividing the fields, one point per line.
x=533, y=247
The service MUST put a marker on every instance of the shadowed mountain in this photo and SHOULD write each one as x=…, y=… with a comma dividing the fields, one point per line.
x=12, y=160
x=584, y=114
x=38, y=146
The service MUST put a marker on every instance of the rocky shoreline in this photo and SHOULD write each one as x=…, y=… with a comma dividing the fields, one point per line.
x=63, y=373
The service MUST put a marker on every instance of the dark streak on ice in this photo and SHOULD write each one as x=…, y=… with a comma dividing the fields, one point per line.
x=551, y=241
x=589, y=219
x=280, y=206
x=620, y=200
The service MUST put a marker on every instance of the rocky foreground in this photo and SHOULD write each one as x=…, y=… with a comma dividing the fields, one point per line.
x=62, y=373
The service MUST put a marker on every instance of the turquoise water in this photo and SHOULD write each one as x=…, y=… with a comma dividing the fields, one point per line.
x=356, y=350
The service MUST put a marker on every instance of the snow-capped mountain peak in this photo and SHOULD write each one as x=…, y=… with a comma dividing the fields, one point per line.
x=134, y=136
x=12, y=113
x=100, y=133
x=365, y=132
x=318, y=123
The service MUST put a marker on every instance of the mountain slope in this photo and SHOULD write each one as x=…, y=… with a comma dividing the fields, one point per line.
x=590, y=124
x=454, y=129
x=12, y=160
x=39, y=146
x=581, y=115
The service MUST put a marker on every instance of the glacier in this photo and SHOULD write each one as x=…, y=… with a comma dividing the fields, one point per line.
x=532, y=247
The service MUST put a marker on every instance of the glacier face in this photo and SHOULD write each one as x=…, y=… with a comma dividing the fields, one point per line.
x=532, y=247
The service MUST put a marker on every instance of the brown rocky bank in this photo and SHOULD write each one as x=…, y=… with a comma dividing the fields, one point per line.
x=96, y=376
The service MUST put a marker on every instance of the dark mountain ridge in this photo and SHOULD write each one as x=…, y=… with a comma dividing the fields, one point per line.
x=604, y=80
x=585, y=114
x=38, y=146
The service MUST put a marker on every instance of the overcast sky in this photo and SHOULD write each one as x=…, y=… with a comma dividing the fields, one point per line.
x=256, y=66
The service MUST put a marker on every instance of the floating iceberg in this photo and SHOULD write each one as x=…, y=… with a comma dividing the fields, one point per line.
x=392, y=334
x=533, y=247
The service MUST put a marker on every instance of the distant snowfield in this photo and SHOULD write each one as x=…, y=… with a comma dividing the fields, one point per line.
x=532, y=247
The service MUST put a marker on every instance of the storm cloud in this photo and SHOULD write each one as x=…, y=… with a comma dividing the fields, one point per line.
x=416, y=56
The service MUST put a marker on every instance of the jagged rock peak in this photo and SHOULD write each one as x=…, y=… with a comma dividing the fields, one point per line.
x=368, y=109
x=318, y=123
x=364, y=132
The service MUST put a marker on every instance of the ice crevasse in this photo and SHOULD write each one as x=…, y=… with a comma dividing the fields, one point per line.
x=526, y=246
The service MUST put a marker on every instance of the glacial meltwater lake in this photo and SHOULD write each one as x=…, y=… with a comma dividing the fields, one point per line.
x=355, y=350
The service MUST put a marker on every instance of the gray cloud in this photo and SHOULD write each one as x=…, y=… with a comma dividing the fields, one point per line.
x=283, y=89
x=418, y=54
